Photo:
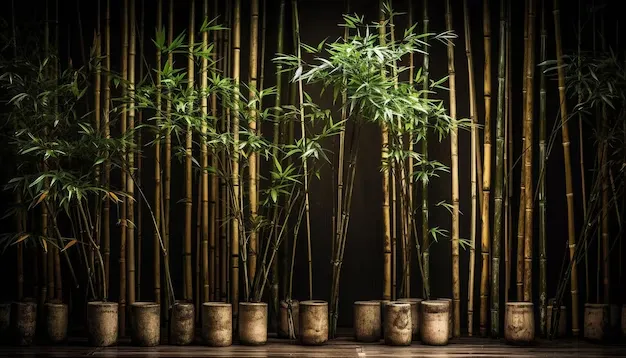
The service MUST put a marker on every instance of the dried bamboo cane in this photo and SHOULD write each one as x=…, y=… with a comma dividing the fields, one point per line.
x=508, y=221
x=187, y=264
x=542, y=183
x=130, y=234
x=569, y=194
x=139, y=152
x=225, y=201
x=473, y=140
x=485, y=234
x=234, y=244
x=124, y=224
x=454, y=154
x=213, y=207
x=158, y=185
x=165, y=221
x=252, y=126
x=204, y=160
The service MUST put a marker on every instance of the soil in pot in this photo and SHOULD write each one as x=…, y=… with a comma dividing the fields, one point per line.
x=367, y=321
x=182, y=324
x=217, y=324
x=283, y=323
x=145, y=322
x=313, y=322
x=102, y=323
x=519, y=323
x=398, y=329
x=561, y=329
x=596, y=321
x=5, y=322
x=24, y=322
x=415, y=315
x=56, y=322
x=252, y=323
x=435, y=322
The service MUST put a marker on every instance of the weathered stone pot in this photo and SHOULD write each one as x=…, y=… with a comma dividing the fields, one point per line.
x=217, y=324
x=398, y=330
x=450, y=317
x=5, y=322
x=614, y=320
x=313, y=322
x=367, y=321
x=102, y=323
x=56, y=322
x=252, y=323
x=283, y=323
x=596, y=321
x=383, y=304
x=561, y=329
x=145, y=321
x=415, y=315
x=182, y=324
x=519, y=323
x=623, y=320
x=435, y=322
x=24, y=321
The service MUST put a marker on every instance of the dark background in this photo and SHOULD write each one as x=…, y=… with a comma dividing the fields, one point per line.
x=362, y=268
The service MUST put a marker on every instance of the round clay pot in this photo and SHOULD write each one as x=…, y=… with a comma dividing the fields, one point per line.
x=24, y=322
x=283, y=323
x=217, y=324
x=596, y=321
x=56, y=322
x=435, y=322
x=5, y=321
x=367, y=321
x=415, y=315
x=450, y=317
x=252, y=323
x=561, y=329
x=398, y=329
x=519, y=323
x=614, y=320
x=145, y=323
x=182, y=324
x=102, y=323
x=313, y=322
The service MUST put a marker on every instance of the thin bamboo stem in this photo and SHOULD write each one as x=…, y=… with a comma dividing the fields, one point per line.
x=424, y=189
x=542, y=183
x=165, y=221
x=158, y=185
x=130, y=234
x=204, y=160
x=106, y=211
x=234, y=244
x=187, y=264
x=252, y=127
x=123, y=293
x=213, y=199
x=508, y=145
x=569, y=193
x=454, y=154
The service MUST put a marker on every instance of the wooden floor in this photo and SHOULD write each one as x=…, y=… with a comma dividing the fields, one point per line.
x=343, y=347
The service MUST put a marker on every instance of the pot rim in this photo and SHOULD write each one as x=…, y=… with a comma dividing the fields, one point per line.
x=411, y=300
x=520, y=304
x=434, y=303
x=314, y=303
x=367, y=303
x=254, y=304
x=596, y=305
x=147, y=304
x=216, y=304
x=102, y=303
x=55, y=304
x=399, y=304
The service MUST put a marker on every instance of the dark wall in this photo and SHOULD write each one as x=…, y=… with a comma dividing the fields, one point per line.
x=363, y=261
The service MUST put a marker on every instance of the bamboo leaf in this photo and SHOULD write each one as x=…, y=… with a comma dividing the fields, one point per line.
x=69, y=244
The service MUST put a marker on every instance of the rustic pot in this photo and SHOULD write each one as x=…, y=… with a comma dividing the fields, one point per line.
x=519, y=323
x=615, y=311
x=102, y=323
x=252, y=323
x=435, y=322
x=415, y=315
x=145, y=321
x=561, y=330
x=383, y=304
x=24, y=322
x=367, y=321
x=313, y=322
x=182, y=324
x=217, y=324
x=56, y=322
x=5, y=321
x=596, y=321
x=283, y=323
x=450, y=317
x=398, y=330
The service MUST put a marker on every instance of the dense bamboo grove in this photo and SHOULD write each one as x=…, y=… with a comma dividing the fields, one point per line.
x=153, y=169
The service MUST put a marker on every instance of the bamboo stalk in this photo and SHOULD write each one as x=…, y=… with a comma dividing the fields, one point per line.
x=424, y=207
x=213, y=224
x=158, y=185
x=139, y=152
x=123, y=294
x=187, y=265
x=569, y=194
x=97, y=121
x=199, y=250
x=58, y=283
x=225, y=201
x=130, y=235
x=508, y=145
x=473, y=140
x=409, y=218
x=20, y=247
x=454, y=154
x=204, y=160
x=165, y=221
x=388, y=290
x=542, y=183
x=252, y=126
x=234, y=244
x=485, y=234
x=499, y=180
x=106, y=213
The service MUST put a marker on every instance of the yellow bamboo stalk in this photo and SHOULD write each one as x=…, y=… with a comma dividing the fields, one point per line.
x=213, y=224
x=130, y=235
x=106, y=213
x=124, y=224
x=234, y=243
x=158, y=187
x=252, y=126
x=204, y=158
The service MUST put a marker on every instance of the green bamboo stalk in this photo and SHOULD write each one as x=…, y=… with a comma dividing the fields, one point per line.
x=187, y=264
x=234, y=244
x=424, y=209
